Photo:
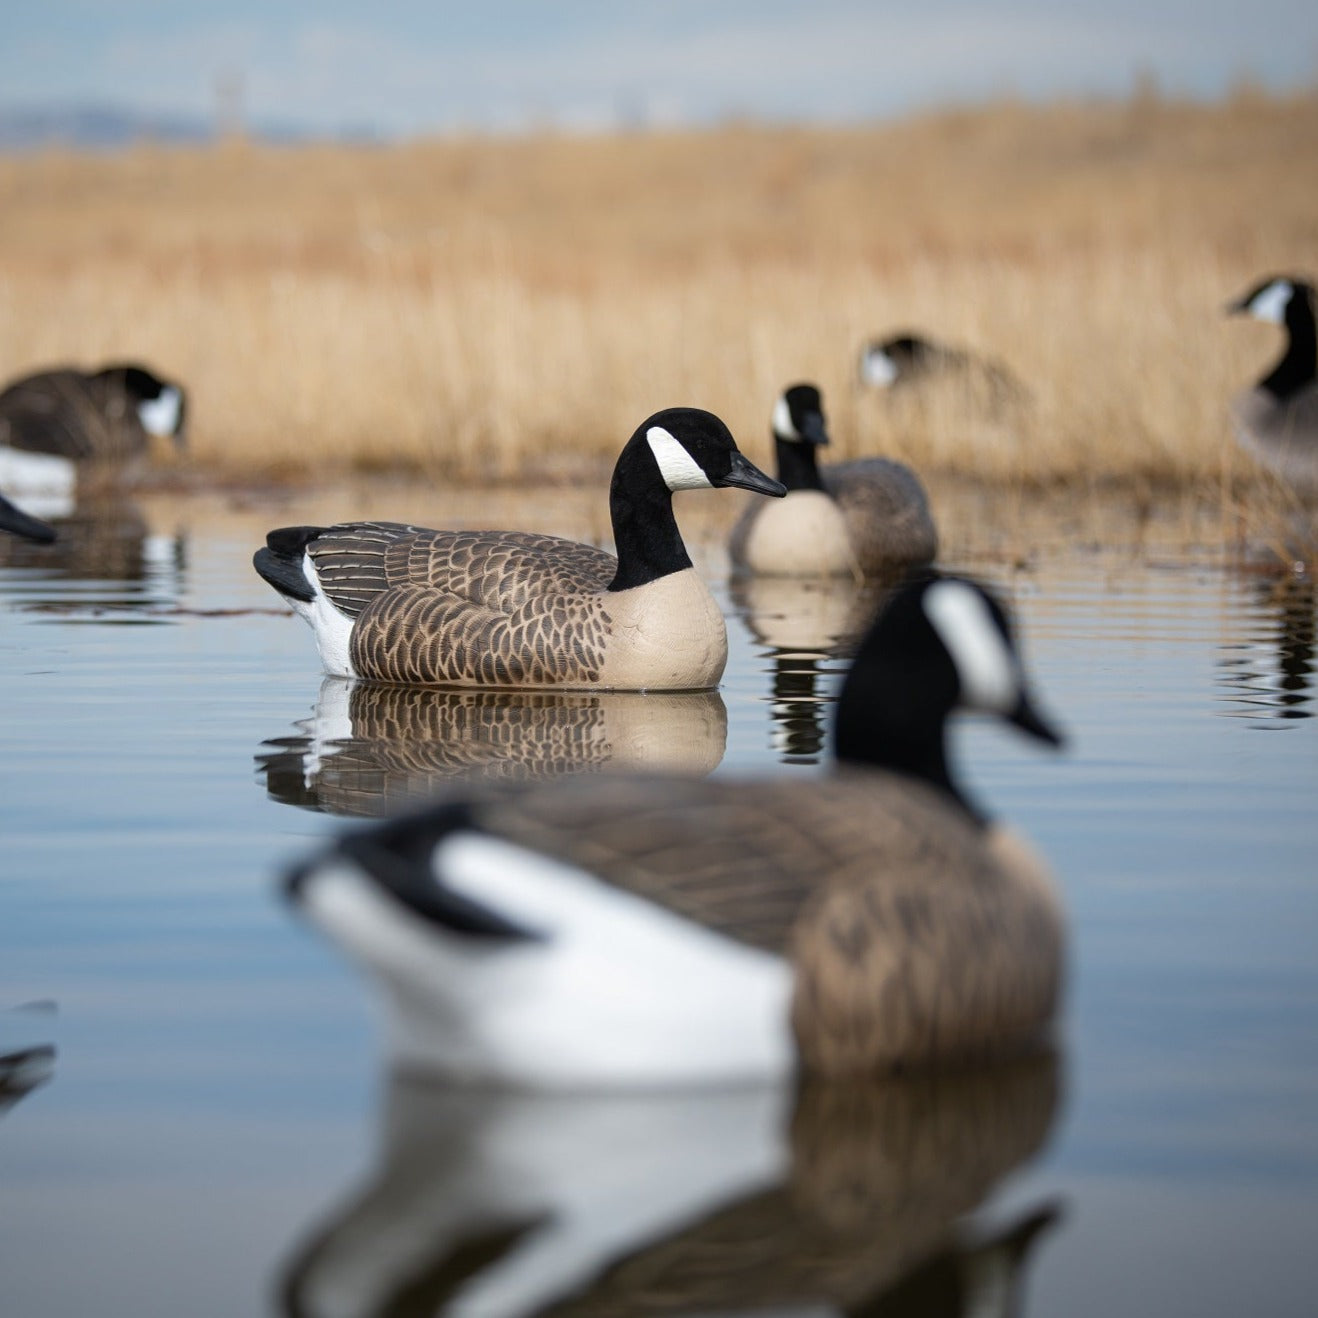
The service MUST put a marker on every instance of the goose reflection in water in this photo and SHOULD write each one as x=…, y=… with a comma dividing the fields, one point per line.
x=27, y=1067
x=808, y=627
x=99, y=541
x=1270, y=674
x=843, y=1199
x=371, y=749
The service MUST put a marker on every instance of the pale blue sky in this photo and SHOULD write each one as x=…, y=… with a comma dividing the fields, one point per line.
x=405, y=66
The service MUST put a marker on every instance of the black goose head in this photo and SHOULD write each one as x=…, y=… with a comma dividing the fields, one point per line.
x=161, y=405
x=885, y=361
x=798, y=416
x=1275, y=300
x=692, y=450
x=941, y=643
x=1289, y=302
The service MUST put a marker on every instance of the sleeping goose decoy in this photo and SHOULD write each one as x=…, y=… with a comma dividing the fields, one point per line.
x=17, y=522
x=906, y=360
x=867, y=518
x=658, y=930
x=510, y=608
x=53, y=422
x=1277, y=420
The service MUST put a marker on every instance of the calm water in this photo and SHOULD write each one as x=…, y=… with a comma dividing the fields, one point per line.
x=213, y=1135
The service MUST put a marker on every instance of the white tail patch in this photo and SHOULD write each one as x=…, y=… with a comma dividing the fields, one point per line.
x=678, y=468
x=1270, y=304
x=159, y=416
x=989, y=671
x=782, y=420
x=878, y=369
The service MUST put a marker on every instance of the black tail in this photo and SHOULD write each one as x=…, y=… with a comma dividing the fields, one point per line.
x=16, y=520
x=280, y=562
x=396, y=854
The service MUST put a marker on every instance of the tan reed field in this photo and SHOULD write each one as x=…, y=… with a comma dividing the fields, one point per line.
x=482, y=308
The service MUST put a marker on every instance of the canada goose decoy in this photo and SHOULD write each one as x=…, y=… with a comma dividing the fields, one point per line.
x=865, y=518
x=55, y=421
x=511, y=608
x=1277, y=420
x=649, y=930
x=907, y=359
x=17, y=522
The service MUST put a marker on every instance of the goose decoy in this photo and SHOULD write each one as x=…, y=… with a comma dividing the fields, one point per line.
x=1277, y=420
x=649, y=930
x=510, y=608
x=904, y=360
x=53, y=422
x=17, y=522
x=867, y=518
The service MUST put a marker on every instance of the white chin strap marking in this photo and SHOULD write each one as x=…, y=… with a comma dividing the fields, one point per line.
x=1270, y=305
x=159, y=416
x=678, y=468
x=782, y=421
x=878, y=369
x=987, y=668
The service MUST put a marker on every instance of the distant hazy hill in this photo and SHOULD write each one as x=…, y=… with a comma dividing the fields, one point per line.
x=24, y=128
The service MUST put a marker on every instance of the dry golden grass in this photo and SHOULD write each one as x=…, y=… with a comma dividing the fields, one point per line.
x=497, y=308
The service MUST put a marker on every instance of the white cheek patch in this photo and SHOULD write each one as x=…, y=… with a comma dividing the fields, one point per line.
x=989, y=672
x=1270, y=304
x=159, y=416
x=878, y=369
x=782, y=421
x=678, y=468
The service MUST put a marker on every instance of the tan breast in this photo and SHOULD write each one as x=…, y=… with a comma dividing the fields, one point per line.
x=805, y=533
x=667, y=635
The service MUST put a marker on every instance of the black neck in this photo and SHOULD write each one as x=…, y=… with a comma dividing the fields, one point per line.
x=645, y=533
x=1299, y=363
x=798, y=468
x=874, y=728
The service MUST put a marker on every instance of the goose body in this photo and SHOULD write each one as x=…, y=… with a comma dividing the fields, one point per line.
x=656, y=930
x=404, y=604
x=1277, y=419
x=868, y=518
x=54, y=422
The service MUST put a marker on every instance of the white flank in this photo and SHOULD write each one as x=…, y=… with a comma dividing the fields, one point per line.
x=616, y=993
x=1270, y=303
x=782, y=421
x=877, y=369
x=159, y=416
x=331, y=626
x=678, y=468
x=989, y=672
x=35, y=473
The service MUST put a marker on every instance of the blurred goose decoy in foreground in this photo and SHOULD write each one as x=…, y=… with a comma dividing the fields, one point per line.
x=905, y=360
x=750, y=1200
x=649, y=930
x=1277, y=420
x=53, y=422
x=511, y=608
x=865, y=518
x=17, y=522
